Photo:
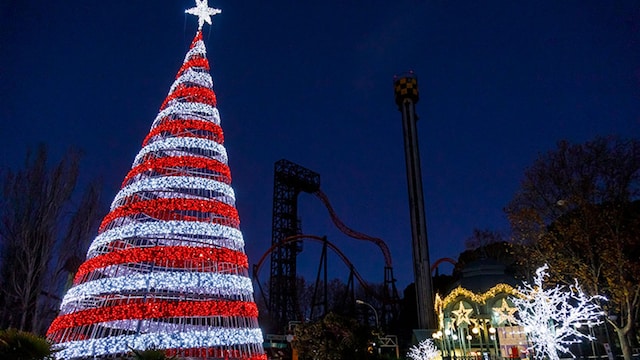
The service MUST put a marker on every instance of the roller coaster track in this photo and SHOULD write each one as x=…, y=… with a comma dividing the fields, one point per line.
x=352, y=233
x=289, y=180
x=293, y=239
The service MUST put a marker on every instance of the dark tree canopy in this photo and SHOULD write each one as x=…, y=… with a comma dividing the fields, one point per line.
x=45, y=226
x=578, y=210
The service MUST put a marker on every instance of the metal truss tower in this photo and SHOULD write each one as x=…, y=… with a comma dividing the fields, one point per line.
x=406, y=96
x=289, y=180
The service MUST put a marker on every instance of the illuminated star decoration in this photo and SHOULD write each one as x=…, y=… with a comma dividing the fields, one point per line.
x=203, y=12
x=504, y=312
x=462, y=315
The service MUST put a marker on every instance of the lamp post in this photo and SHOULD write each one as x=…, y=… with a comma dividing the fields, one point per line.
x=493, y=337
x=476, y=331
x=591, y=338
x=360, y=302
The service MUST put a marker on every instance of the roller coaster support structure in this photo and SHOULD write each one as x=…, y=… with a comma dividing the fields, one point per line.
x=289, y=180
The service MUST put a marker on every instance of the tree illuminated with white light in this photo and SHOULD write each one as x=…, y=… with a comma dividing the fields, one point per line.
x=551, y=316
x=425, y=350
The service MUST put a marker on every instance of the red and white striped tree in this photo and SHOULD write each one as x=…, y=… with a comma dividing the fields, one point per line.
x=168, y=269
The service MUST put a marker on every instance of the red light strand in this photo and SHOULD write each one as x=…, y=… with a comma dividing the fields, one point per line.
x=168, y=209
x=131, y=309
x=188, y=128
x=167, y=166
x=175, y=256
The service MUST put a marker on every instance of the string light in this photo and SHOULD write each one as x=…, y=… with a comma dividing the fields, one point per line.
x=182, y=145
x=181, y=233
x=194, y=339
x=195, y=94
x=477, y=298
x=189, y=110
x=174, y=183
x=177, y=256
x=169, y=166
x=152, y=308
x=169, y=209
x=212, y=284
x=184, y=127
x=201, y=78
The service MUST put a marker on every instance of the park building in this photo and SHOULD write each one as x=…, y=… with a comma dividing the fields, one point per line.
x=475, y=317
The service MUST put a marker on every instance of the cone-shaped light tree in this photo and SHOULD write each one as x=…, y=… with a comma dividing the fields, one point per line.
x=167, y=269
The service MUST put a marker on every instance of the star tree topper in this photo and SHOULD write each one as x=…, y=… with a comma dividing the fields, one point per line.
x=203, y=12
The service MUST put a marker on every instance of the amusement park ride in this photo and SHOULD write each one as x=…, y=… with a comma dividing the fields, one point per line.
x=289, y=180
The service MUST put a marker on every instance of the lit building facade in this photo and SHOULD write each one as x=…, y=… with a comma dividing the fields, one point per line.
x=475, y=318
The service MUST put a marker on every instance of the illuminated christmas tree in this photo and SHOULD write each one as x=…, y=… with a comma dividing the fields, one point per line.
x=167, y=269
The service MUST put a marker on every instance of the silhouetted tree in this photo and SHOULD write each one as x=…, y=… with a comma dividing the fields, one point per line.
x=578, y=211
x=43, y=235
x=332, y=337
x=482, y=238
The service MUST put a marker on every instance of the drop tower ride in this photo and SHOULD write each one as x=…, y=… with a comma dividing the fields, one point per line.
x=406, y=96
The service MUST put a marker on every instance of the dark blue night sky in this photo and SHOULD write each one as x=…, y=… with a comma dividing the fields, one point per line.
x=311, y=81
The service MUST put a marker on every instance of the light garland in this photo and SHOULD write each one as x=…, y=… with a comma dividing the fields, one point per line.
x=219, y=235
x=191, y=76
x=186, y=128
x=174, y=256
x=168, y=166
x=169, y=209
x=189, y=111
x=181, y=340
x=198, y=61
x=477, y=298
x=227, y=195
x=212, y=284
x=184, y=93
x=181, y=145
x=161, y=325
x=152, y=308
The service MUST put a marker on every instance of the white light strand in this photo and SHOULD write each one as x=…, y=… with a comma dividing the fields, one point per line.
x=172, y=183
x=212, y=284
x=189, y=110
x=149, y=326
x=183, y=146
x=190, y=76
x=221, y=235
x=180, y=340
